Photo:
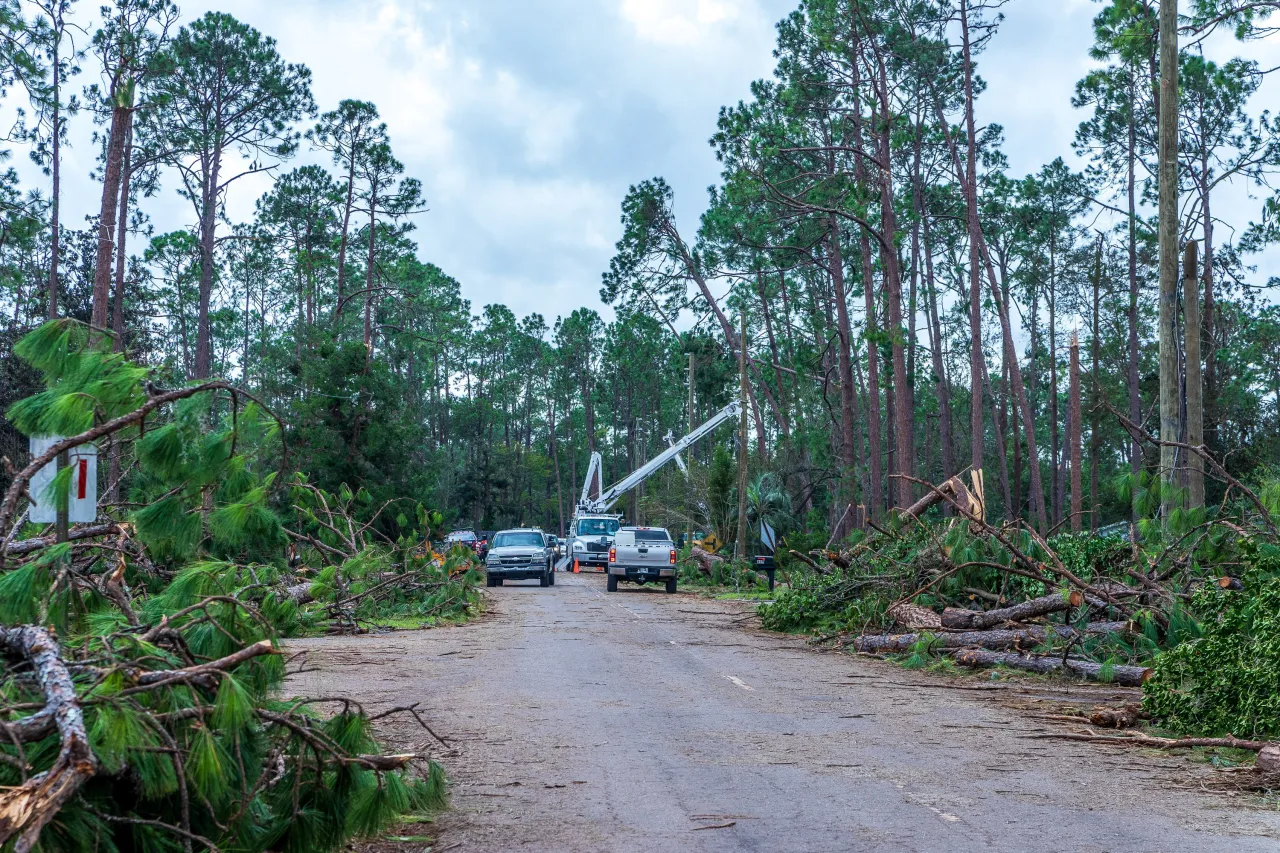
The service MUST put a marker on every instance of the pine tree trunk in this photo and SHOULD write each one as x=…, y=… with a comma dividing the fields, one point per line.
x=902, y=400
x=1194, y=378
x=1135, y=393
x=122, y=233
x=107, y=214
x=1055, y=454
x=55, y=197
x=1095, y=434
x=1168, y=224
x=844, y=333
x=208, y=229
x=1077, y=450
x=941, y=386
x=1210, y=309
x=975, y=282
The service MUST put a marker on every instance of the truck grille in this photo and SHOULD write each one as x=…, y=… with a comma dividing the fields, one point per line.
x=515, y=561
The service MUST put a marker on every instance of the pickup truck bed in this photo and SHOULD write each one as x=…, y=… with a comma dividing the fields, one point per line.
x=642, y=555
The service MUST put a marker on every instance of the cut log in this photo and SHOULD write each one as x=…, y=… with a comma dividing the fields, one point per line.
x=979, y=619
x=1129, y=676
x=1008, y=639
x=26, y=809
x=705, y=559
x=914, y=616
x=1269, y=758
x=1123, y=717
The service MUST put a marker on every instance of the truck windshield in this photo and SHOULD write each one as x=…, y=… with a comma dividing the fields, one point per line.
x=518, y=539
x=598, y=526
x=652, y=536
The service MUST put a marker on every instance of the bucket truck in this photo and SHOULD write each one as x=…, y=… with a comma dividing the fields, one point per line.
x=593, y=527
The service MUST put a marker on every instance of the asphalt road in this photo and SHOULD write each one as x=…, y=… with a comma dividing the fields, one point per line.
x=583, y=721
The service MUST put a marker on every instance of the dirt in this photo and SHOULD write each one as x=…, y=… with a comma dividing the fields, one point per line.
x=576, y=720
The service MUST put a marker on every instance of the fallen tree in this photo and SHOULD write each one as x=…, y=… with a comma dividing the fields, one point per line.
x=1129, y=676
x=1014, y=638
x=1021, y=612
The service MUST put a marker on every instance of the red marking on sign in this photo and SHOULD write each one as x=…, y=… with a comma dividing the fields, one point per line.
x=84, y=480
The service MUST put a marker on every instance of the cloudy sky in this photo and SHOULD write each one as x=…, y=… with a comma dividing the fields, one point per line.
x=526, y=120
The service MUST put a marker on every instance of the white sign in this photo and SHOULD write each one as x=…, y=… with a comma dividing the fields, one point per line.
x=82, y=499
x=768, y=537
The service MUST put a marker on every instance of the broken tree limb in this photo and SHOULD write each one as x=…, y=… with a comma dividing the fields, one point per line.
x=979, y=619
x=808, y=561
x=26, y=809
x=91, y=531
x=204, y=673
x=1008, y=639
x=953, y=490
x=1136, y=739
x=1129, y=676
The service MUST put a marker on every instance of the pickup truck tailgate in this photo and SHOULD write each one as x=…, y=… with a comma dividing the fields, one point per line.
x=635, y=548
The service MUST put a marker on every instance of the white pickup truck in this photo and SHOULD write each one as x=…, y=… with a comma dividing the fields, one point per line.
x=642, y=555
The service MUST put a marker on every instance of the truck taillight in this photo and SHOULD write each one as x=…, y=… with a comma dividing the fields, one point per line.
x=613, y=555
x=673, y=556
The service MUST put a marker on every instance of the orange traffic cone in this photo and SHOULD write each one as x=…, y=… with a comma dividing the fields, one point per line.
x=576, y=569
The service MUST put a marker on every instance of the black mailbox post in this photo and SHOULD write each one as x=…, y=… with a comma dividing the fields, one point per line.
x=767, y=564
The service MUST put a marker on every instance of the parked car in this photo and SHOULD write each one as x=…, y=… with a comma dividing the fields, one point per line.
x=520, y=554
x=463, y=537
x=554, y=544
x=642, y=555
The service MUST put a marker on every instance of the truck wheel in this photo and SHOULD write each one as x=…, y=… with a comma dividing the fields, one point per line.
x=543, y=580
x=551, y=573
x=671, y=585
x=497, y=581
x=612, y=583
x=490, y=581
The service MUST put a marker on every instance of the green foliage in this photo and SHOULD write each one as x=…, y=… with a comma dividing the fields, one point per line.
x=1226, y=681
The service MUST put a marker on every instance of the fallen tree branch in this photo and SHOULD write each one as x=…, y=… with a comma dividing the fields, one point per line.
x=26, y=546
x=26, y=809
x=809, y=561
x=1137, y=739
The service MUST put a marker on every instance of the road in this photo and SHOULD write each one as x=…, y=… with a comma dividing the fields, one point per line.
x=635, y=721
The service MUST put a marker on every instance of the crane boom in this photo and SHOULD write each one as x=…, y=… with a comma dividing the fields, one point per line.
x=591, y=550
x=610, y=495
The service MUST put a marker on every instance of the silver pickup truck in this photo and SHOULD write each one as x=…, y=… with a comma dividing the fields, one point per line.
x=642, y=555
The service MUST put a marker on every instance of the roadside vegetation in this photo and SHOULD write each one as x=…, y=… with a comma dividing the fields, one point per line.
x=142, y=705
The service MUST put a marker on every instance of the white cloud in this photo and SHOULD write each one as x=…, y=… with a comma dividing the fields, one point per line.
x=679, y=22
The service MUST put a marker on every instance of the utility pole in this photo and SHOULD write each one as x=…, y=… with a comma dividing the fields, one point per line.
x=1168, y=219
x=1195, y=379
x=688, y=480
x=740, y=548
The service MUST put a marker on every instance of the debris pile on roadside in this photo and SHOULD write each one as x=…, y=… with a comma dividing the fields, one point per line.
x=1189, y=611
